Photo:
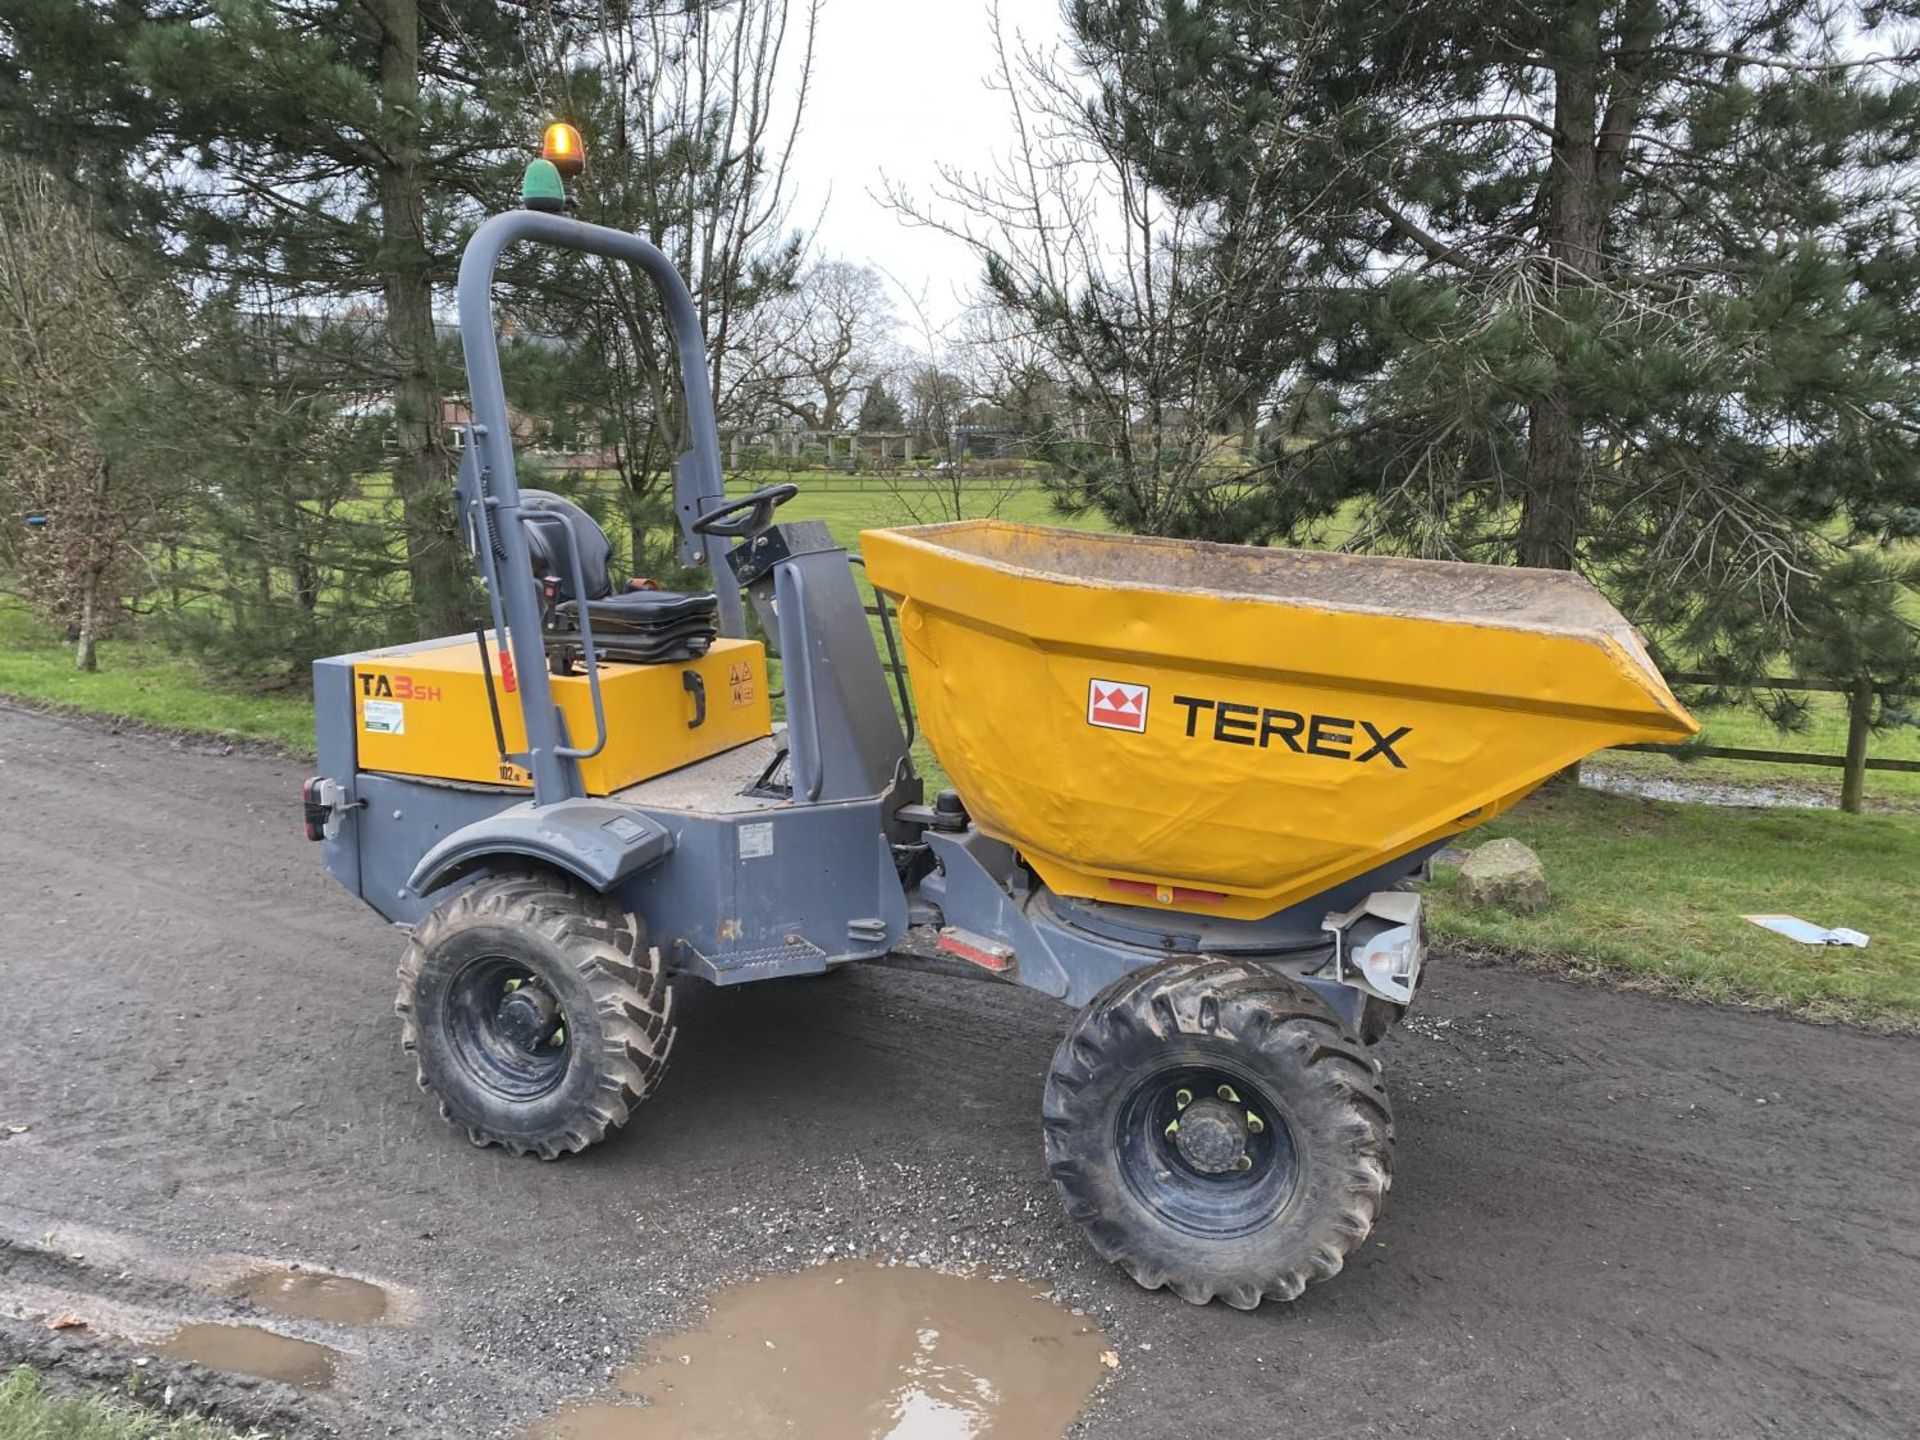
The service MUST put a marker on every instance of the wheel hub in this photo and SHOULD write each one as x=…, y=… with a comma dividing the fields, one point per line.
x=526, y=1016
x=1212, y=1136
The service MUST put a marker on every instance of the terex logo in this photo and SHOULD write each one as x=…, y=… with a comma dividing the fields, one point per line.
x=1116, y=705
x=1331, y=736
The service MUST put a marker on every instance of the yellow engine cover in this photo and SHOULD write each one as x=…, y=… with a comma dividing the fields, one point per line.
x=422, y=710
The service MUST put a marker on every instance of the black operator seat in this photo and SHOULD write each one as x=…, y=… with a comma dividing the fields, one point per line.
x=639, y=625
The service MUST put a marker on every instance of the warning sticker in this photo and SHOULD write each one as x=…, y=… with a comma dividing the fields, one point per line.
x=384, y=717
x=740, y=683
x=1116, y=705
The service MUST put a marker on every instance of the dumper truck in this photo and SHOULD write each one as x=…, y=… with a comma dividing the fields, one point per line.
x=1187, y=790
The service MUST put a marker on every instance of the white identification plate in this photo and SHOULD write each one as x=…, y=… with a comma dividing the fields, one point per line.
x=756, y=841
x=384, y=717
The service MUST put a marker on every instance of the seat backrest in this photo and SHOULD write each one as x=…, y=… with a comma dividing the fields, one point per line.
x=551, y=539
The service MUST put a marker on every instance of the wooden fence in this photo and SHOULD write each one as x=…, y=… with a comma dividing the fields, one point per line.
x=1853, y=765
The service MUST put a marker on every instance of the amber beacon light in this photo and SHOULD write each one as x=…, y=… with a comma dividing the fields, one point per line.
x=562, y=146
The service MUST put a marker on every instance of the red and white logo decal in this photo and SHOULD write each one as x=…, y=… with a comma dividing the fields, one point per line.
x=1116, y=705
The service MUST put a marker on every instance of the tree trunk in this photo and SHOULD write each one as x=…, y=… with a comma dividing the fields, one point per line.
x=637, y=528
x=1550, y=515
x=1853, y=778
x=87, y=641
x=1550, y=511
x=306, y=582
x=640, y=478
x=421, y=470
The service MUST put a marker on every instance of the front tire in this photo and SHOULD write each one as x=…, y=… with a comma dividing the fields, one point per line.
x=537, y=1014
x=1216, y=1129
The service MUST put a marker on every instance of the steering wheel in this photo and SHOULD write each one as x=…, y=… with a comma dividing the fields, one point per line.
x=754, y=513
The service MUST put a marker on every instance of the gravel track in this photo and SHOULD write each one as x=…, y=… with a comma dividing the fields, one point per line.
x=1613, y=1215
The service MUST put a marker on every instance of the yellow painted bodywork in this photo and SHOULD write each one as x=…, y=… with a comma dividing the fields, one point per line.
x=1234, y=799
x=437, y=696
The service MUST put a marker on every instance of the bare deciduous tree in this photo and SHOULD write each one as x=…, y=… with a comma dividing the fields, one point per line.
x=76, y=498
x=941, y=384
x=827, y=341
x=1122, y=295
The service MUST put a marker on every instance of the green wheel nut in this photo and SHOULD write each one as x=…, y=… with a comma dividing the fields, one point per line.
x=1226, y=1093
x=1254, y=1123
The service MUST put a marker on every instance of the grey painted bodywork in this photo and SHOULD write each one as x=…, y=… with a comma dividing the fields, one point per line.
x=787, y=891
x=732, y=887
x=601, y=841
x=1073, y=950
x=845, y=735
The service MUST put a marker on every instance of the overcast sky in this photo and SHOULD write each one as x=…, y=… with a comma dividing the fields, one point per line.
x=899, y=86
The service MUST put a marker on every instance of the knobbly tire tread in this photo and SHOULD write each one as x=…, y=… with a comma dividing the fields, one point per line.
x=1276, y=1027
x=622, y=993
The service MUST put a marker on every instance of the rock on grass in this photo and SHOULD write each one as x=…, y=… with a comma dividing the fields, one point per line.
x=1505, y=873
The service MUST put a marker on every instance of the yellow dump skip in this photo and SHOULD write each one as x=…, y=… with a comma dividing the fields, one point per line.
x=1229, y=730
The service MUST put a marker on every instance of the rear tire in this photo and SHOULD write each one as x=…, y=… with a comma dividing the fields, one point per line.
x=537, y=1015
x=1286, y=1153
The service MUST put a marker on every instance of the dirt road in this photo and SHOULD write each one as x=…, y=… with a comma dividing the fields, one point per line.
x=1613, y=1215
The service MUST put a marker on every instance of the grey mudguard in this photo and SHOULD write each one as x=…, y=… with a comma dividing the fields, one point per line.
x=597, y=840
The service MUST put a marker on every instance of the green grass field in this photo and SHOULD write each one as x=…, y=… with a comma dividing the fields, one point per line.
x=847, y=512
x=140, y=681
x=1655, y=892
x=27, y=1412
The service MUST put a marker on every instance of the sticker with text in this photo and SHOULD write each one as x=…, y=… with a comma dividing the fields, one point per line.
x=384, y=717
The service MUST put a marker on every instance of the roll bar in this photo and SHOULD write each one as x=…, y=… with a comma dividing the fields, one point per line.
x=490, y=487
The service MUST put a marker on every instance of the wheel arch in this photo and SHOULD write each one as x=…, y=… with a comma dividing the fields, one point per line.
x=596, y=842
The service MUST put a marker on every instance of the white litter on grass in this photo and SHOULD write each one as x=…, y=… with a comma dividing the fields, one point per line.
x=1806, y=932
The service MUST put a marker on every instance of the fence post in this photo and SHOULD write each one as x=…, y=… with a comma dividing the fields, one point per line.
x=1854, y=776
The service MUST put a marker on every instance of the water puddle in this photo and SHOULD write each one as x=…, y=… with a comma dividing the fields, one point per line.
x=312, y=1295
x=856, y=1351
x=249, y=1350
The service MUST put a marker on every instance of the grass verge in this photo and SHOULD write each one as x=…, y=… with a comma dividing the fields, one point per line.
x=28, y=1412
x=139, y=681
x=1654, y=893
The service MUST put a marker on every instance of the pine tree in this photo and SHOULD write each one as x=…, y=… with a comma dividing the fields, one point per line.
x=1624, y=287
x=289, y=561
x=289, y=155
x=880, y=413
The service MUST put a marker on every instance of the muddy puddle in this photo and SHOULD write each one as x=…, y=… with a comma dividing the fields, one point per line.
x=249, y=1350
x=855, y=1351
x=313, y=1295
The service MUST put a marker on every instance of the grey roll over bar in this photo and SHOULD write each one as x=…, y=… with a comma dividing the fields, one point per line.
x=495, y=488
